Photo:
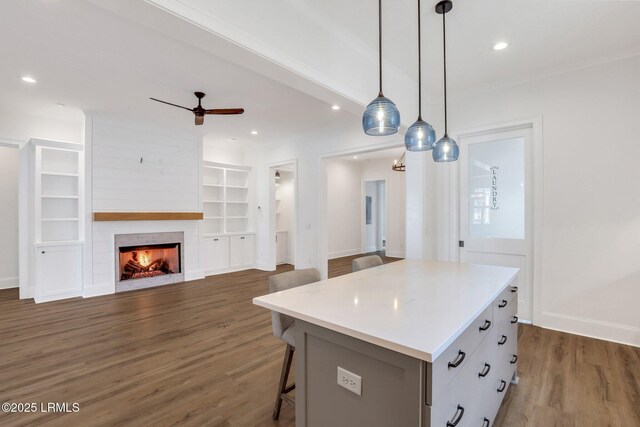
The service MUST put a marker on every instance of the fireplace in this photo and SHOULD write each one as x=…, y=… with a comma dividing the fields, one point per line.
x=149, y=259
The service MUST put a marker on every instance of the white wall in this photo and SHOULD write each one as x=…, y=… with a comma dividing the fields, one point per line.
x=167, y=180
x=22, y=127
x=285, y=208
x=344, y=207
x=371, y=230
x=229, y=153
x=9, y=162
x=15, y=130
x=396, y=202
x=591, y=221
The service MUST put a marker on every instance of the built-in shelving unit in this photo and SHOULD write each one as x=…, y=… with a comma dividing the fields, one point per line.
x=52, y=220
x=225, y=194
x=57, y=193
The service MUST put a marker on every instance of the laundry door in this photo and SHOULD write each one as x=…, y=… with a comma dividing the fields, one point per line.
x=496, y=212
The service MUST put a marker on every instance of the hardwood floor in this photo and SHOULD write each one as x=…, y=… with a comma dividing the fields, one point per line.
x=200, y=354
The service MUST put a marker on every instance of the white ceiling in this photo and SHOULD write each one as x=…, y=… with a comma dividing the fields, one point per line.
x=92, y=60
x=96, y=59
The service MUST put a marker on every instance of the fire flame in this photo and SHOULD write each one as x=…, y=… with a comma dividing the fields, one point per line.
x=144, y=258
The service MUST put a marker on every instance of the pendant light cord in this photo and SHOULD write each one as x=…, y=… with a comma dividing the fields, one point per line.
x=380, y=42
x=419, y=66
x=444, y=50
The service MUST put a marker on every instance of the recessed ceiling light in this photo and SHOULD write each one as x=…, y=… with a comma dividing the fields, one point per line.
x=60, y=104
x=28, y=79
x=254, y=132
x=500, y=45
x=335, y=107
x=355, y=157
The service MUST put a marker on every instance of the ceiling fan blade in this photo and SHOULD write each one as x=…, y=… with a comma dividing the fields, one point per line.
x=199, y=120
x=225, y=111
x=175, y=105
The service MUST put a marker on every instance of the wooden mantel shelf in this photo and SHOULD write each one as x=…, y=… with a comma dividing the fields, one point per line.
x=147, y=216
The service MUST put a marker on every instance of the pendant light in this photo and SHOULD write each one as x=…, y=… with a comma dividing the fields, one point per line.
x=446, y=149
x=420, y=136
x=381, y=116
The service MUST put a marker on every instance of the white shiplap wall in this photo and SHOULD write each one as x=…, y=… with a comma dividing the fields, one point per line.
x=137, y=168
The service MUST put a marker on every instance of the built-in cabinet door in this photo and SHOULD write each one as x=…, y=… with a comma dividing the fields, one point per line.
x=58, y=272
x=220, y=253
x=241, y=251
x=247, y=249
x=235, y=251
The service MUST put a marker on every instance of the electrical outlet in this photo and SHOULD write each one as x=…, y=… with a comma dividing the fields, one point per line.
x=350, y=381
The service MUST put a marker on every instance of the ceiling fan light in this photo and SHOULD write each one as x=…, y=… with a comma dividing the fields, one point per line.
x=420, y=136
x=381, y=117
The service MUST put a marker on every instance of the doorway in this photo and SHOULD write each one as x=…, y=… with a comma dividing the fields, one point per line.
x=374, y=218
x=9, y=177
x=283, y=204
x=496, y=205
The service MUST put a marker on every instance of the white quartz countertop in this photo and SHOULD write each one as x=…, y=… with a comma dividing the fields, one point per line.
x=414, y=307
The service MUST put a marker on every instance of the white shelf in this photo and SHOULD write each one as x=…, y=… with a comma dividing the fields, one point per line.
x=59, y=219
x=59, y=174
x=59, y=197
x=225, y=198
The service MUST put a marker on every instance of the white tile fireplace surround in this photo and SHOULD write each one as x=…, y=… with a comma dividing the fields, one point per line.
x=145, y=260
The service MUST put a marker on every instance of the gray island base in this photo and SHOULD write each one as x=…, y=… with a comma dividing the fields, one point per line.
x=369, y=367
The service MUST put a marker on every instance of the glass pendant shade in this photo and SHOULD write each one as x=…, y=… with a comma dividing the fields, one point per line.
x=420, y=136
x=381, y=117
x=445, y=150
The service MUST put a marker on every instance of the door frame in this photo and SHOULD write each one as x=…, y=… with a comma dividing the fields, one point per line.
x=450, y=214
x=272, y=255
x=363, y=208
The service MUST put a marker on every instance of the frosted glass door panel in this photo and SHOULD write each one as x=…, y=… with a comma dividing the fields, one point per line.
x=497, y=189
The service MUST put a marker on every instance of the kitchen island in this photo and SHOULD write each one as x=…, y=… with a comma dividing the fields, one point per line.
x=410, y=343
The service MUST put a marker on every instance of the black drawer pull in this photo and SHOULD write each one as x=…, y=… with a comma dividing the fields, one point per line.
x=456, y=417
x=242, y=238
x=503, y=385
x=514, y=289
x=487, y=325
x=503, y=303
x=485, y=371
x=458, y=360
x=215, y=240
x=486, y=423
x=514, y=359
x=43, y=252
x=503, y=340
x=514, y=319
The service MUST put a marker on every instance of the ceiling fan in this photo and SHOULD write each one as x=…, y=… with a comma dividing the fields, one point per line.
x=200, y=111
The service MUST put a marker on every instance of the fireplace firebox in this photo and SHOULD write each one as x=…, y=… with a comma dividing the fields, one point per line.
x=149, y=259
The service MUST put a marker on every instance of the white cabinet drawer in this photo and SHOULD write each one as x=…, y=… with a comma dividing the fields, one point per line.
x=453, y=359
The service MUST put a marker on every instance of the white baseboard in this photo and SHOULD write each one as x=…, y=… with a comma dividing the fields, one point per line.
x=9, y=282
x=346, y=252
x=623, y=334
x=193, y=275
x=393, y=254
x=97, y=290
x=57, y=296
x=264, y=267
